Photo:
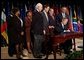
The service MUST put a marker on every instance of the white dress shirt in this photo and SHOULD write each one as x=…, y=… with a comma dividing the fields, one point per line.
x=62, y=26
x=63, y=14
x=21, y=22
x=46, y=15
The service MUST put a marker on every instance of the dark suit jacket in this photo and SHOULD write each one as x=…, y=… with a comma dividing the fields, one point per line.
x=51, y=21
x=67, y=45
x=14, y=28
x=59, y=18
x=59, y=29
x=14, y=33
x=45, y=22
x=37, y=23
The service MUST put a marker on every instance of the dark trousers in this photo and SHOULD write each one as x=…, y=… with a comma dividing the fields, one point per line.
x=38, y=39
x=47, y=45
x=67, y=45
x=11, y=47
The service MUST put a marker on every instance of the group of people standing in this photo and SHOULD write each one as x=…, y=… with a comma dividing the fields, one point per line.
x=37, y=27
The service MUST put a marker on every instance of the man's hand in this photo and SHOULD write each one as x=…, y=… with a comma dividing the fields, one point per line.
x=22, y=33
x=66, y=30
x=44, y=32
x=51, y=26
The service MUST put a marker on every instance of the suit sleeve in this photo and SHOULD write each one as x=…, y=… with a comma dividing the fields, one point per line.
x=17, y=26
x=58, y=29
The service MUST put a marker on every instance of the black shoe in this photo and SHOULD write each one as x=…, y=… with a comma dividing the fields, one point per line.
x=41, y=54
x=23, y=55
x=18, y=57
x=11, y=55
x=68, y=52
x=29, y=51
x=80, y=46
x=38, y=56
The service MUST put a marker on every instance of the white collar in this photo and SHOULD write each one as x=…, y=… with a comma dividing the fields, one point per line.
x=62, y=25
x=45, y=14
x=63, y=14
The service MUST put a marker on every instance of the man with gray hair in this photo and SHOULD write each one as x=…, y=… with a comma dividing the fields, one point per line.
x=39, y=7
x=37, y=30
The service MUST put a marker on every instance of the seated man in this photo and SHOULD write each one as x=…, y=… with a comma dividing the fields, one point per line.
x=62, y=28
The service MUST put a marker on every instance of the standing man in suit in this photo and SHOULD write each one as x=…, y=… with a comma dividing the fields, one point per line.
x=61, y=15
x=10, y=31
x=15, y=33
x=45, y=18
x=45, y=28
x=37, y=30
x=51, y=20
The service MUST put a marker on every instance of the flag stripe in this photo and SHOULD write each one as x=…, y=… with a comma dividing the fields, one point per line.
x=4, y=34
x=3, y=27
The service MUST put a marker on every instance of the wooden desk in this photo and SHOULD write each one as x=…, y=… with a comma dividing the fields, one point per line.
x=58, y=39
